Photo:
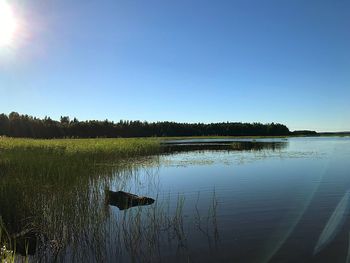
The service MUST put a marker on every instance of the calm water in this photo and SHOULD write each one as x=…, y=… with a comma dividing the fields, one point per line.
x=254, y=201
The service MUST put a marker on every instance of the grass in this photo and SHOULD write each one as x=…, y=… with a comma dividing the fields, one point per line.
x=54, y=188
x=6, y=254
x=7, y=248
x=38, y=176
x=117, y=148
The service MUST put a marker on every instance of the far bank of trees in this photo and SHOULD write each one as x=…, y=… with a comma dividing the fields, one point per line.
x=304, y=133
x=17, y=125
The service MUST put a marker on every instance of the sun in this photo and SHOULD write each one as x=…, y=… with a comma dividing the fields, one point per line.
x=8, y=24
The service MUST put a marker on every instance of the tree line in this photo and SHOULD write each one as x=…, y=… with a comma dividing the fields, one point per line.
x=17, y=125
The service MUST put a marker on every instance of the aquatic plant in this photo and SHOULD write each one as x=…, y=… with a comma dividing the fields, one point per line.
x=49, y=189
x=14, y=148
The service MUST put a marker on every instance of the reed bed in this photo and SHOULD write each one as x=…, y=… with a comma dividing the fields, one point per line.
x=53, y=192
x=6, y=254
x=42, y=181
x=111, y=148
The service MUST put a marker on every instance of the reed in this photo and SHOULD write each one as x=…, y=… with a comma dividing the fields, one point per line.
x=7, y=252
x=54, y=189
x=95, y=149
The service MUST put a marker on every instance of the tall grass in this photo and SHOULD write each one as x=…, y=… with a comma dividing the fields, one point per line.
x=99, y=148
x=54, y=190
x=6, y=254
x=48, y=186
x=8, y=247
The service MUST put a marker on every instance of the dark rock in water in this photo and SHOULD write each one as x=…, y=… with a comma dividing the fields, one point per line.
x=124, y=200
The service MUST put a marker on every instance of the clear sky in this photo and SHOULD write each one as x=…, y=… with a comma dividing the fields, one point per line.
x=284, y=61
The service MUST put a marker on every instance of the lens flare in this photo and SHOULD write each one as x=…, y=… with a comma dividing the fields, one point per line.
x=8, y=24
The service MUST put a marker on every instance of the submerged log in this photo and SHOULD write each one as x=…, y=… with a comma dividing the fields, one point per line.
x=124, y=200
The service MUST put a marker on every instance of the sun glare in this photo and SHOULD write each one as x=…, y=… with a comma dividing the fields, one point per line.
x=8, y=24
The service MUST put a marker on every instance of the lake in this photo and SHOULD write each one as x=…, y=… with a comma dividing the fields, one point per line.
x=261, y=200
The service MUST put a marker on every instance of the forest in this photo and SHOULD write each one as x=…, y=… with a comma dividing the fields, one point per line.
x=25, y=126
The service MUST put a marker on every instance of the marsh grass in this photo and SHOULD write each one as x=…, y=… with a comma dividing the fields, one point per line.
x=54, y=190
x=94, y=149
x=7, y=254
x=8, y=247
x=48, y=186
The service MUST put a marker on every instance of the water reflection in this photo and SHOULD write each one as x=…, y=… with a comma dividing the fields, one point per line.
x=224, y=145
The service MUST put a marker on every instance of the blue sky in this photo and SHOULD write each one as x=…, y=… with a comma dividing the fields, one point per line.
x=284, y=61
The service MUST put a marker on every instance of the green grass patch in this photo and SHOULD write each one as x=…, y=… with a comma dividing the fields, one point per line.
x=13, y=148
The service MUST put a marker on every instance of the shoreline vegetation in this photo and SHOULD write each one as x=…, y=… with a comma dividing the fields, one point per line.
x=24, y=153
x=41, y=181
x=29, y=151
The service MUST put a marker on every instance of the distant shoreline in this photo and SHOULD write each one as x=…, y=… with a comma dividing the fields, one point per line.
x=17, y=125
x=166, y=138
